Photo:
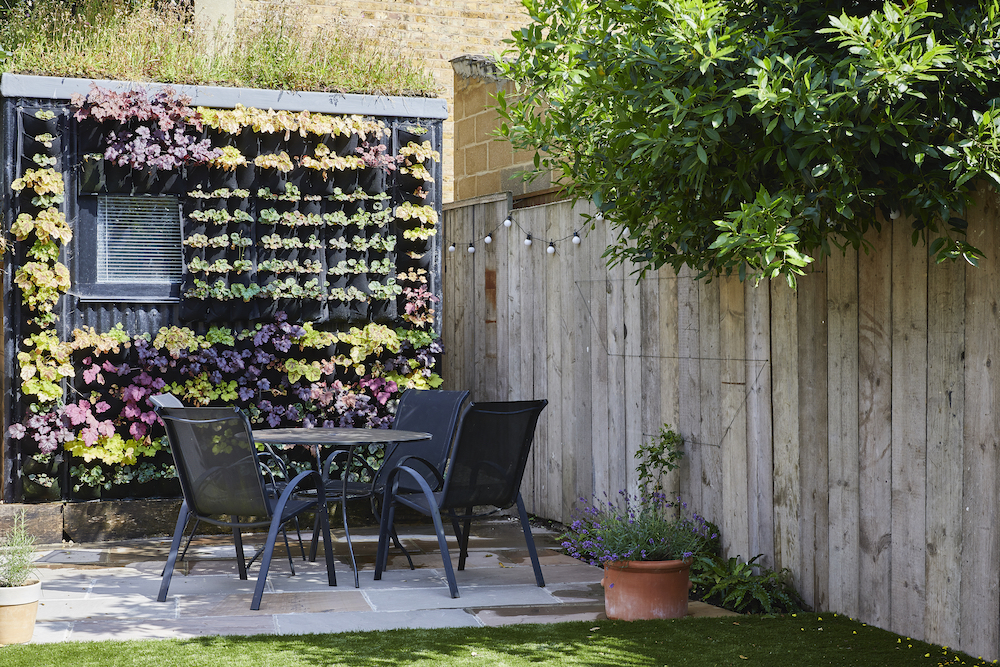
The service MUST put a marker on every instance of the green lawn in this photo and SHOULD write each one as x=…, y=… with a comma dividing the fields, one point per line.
x=803, y=639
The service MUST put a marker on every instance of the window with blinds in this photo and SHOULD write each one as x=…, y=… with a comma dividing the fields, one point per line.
x=138, y=240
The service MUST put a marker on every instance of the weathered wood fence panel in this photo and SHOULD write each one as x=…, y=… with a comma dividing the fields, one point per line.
x=849, y=430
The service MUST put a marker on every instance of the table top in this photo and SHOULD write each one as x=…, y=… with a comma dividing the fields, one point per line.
x=335, y=436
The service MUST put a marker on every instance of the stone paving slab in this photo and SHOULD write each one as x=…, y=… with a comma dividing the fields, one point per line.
x=296, y=624
x=471, y=596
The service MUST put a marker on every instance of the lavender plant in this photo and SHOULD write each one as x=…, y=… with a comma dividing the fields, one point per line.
x=637, y=527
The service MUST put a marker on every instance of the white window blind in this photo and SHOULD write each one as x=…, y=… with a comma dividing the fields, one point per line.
x=138, y=239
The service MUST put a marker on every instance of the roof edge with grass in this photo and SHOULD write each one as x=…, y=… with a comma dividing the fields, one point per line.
x=272, y=49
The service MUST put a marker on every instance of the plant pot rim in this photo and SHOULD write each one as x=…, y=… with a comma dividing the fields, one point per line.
x=26, y=594
x=648, y=565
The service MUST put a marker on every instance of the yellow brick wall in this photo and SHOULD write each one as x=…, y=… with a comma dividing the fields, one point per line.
x=484, y=165
x=435, y=30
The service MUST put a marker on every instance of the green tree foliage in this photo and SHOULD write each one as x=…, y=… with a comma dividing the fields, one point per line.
x=750, y=136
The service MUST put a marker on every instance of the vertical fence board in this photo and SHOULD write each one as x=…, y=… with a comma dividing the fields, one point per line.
x=732, y=366
x=497, y=212
x=633, y=339
x=874, y=427
x=760, y=483
x=980, y=549
x=813, y=440
x=842, y=332
x=578, y=307
x=486, y=263
x=945, y=415
x=689, y=422
x=785, y=414
x=599, y=369
x=710, y=449
x=617, y=398
x=649, y=383
x=459, y=305
x=669, y=380
x=909, y=434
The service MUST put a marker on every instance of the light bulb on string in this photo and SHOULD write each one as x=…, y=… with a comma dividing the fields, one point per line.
x=527, y=240
x=576, y=238
x=451, y=248
x=507, y=222
x=488, y=239
x=472, y=248
x=552, y=248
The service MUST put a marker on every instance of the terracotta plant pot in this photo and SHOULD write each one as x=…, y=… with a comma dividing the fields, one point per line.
x=640, y=590
x=18, y=609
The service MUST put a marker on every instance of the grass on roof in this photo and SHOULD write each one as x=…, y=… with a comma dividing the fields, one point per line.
x=278, y=46
x=802, y=640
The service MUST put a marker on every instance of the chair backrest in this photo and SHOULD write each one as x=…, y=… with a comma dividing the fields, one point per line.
x=431, y=411
x=165, y=401
x=490, y=453
x=216, y=461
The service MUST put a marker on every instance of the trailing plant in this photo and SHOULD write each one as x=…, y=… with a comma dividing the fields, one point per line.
x=164, y=138
x=41, y=286
x=351, y=293
x=289, y=288
x=46, y=429
x=46, y=183
x=414, y=153
x=303, y=122
x=425, y=214
x=419, y=233
x=324, y=161
x=384, y=291
x=745, y=587
x=221, y=193
x=44, y=160
x=417, y=171
x=375, y=156
x=50, y=229
x=279, y=161
x=228, y=159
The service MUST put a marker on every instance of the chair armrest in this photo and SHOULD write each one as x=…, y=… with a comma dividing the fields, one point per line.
x=294, y=487
x=407, y=462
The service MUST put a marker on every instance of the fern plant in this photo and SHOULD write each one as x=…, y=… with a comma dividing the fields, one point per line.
x=745, y=587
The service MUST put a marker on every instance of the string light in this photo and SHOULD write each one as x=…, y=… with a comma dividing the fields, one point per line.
x=509, y=221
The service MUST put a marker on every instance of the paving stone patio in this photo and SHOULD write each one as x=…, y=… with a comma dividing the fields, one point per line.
x=108, y=591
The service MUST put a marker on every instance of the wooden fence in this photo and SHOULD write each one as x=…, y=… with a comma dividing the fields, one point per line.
x=847, y=430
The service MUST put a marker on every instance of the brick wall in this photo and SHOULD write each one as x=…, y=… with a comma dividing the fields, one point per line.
x=436, y=30
x=485, y=165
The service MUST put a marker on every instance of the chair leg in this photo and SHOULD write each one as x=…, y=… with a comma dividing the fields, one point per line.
x=399, y=545
x=324, y=521
x=463, y=537
x=526, y=527
x=384, y=529
x=194, y=529
x=445, y=556
x=241, y=562
x=175, y=544
x=288, y=550
x=265, y=562
x=347, y=538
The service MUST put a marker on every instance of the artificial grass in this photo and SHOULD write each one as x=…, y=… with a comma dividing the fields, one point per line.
x=747, y=641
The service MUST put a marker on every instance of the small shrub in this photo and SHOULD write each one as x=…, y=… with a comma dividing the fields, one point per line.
x=17, y=551
x=744, y=586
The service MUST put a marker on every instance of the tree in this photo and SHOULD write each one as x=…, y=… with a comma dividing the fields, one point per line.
x=747, y=136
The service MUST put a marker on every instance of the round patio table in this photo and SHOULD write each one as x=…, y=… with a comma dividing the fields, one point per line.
x=336, y=438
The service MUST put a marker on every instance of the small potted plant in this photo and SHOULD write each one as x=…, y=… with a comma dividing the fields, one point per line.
x=19, y=588
x=645, y=543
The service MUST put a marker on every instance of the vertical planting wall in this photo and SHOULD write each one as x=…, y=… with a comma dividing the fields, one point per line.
x=296, y=237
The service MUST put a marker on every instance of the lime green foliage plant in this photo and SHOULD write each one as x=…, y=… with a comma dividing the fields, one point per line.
x=269, y=47
x=744, y=137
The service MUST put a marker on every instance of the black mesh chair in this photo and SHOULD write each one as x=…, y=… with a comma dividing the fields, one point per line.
x=269, y=462
x=220, y=475
x=428, y=411
x=484, y=469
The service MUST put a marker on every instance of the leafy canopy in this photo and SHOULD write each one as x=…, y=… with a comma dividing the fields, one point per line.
x=733, y=135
